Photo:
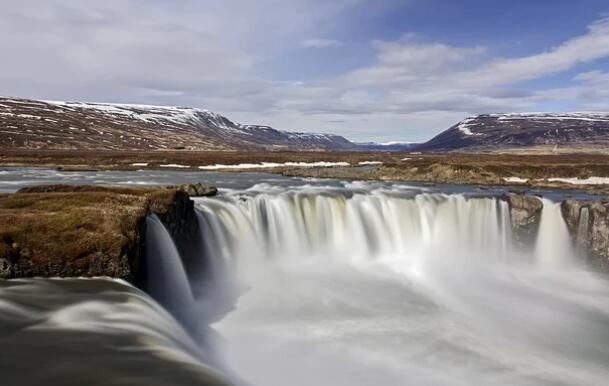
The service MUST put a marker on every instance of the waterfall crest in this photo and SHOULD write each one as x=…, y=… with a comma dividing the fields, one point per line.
x=353, y=228
x=553, y=248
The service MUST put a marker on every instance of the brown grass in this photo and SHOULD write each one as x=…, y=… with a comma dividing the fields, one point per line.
x=87, y=230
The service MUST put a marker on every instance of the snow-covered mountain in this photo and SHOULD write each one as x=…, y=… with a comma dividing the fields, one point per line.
x=30, y=124
x=488, y=132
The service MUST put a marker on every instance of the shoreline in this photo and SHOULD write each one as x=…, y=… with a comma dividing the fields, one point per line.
x=434, y=170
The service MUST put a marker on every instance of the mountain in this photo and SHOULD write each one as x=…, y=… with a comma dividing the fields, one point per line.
x=31, y=124
x=489, y=132
x=387, y=146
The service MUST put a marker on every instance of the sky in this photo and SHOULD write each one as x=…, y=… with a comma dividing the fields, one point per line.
x=371, y=70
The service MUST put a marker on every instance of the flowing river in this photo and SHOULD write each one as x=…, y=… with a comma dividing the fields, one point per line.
x=328, y=283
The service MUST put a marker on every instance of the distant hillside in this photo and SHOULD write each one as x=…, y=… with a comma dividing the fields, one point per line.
x=30, y=124
x=491, y=132
x=388, y=146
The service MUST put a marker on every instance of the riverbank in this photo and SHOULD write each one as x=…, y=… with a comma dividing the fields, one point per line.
x=560, y=171
x=72, y=231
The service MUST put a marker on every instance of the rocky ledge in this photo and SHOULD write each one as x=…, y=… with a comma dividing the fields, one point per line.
x=63, y=230
x=587, y=222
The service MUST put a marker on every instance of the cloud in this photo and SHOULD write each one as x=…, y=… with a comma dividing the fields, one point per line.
x=219, y=55
x=410, y=75
x=320, y=43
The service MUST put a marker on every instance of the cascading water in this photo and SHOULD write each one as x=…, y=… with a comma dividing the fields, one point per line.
x=582, y=230
x=382, y=288
x=553, y=248
x=353, y=228
x=167, y=281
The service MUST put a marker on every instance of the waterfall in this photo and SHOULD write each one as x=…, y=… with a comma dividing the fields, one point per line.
x=167, y=281
x=248, y=230
x=582, y=231
x=553, y=247
x=370, y=286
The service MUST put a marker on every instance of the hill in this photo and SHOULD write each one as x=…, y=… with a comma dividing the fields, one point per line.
x=549, y=131
x=31, y=124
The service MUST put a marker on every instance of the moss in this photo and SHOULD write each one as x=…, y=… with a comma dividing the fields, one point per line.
x=75, y=230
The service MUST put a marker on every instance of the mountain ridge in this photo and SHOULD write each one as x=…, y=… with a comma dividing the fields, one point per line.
x=57, y=125
x=32, y=124
x=492, y=132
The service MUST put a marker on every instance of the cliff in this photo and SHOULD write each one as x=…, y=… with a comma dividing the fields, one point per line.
x=525, y=216
x=587, y=221
x=62, y=230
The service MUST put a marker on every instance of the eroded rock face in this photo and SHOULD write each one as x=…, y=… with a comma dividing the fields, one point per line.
x=525, y=216
x=588, y=223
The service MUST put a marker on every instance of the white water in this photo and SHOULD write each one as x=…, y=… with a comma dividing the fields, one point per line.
x=553, y=248
x=167, y=279
x=582, y=230
x=77, y=331
x=375, y=288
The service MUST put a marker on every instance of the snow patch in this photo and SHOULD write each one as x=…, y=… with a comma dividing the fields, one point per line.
x=175, y=166
x=518, y=180
x=268, y=165
x=585, y=181
x=364, y=163
x=391, y=143
x=464, y=126
x=140, y=164
x=575, y=116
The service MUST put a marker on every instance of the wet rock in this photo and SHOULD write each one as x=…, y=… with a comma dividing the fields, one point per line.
x=588, y=223
x=198, y=190
x=525, y=216
x=5, y=268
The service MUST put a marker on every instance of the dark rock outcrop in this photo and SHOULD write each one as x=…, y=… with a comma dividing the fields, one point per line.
x=588, y=223
x=197, y=190
x=525, y=216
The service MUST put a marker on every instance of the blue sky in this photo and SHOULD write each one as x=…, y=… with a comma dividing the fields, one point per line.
x=367, y=69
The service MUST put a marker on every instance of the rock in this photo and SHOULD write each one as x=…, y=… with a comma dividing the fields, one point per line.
x=525, y=216
x=5, y=268
x=198, y=190
x=588, y=224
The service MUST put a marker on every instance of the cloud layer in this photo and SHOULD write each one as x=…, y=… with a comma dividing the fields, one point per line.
x=222, y=55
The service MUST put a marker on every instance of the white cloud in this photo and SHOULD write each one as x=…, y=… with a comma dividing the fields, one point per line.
x=320, y=43
x=218, y=54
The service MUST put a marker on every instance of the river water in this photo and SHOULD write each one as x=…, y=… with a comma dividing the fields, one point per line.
x=325, y=283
